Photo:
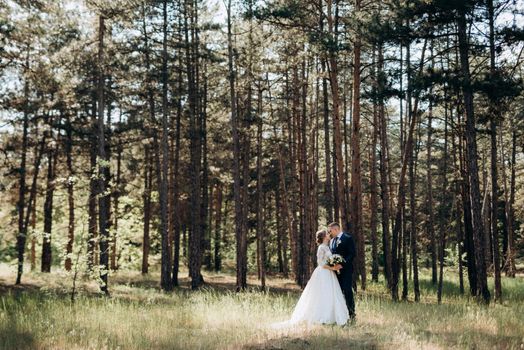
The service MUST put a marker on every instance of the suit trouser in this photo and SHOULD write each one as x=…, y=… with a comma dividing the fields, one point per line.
x=346, y=284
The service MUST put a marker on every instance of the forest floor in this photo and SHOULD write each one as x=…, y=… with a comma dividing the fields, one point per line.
x=39, y=315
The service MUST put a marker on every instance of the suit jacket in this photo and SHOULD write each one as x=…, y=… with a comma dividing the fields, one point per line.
x=346, y=249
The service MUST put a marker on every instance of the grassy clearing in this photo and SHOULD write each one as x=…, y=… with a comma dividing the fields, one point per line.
x=39, y=315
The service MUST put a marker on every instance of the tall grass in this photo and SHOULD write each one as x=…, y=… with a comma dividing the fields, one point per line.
x=139, y=316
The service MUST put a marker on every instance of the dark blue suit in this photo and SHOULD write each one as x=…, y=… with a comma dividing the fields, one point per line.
x=345, y=247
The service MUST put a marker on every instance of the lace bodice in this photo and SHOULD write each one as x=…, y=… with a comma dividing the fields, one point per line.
x=323, y=253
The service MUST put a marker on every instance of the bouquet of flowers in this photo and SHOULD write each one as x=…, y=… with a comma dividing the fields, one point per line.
x=334, y=260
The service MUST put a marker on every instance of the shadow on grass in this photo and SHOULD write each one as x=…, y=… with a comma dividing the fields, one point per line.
x=475, y=339
x=13, y=338
x=314, y=342
x=449, y=288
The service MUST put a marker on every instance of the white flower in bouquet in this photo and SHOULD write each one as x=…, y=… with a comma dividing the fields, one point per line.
x=335, y=259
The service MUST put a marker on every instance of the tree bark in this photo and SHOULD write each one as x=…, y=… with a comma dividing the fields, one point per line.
x=337, y=132
x=494, y=174
x=471, y=157
x=148, y=176
x=22, y=231
x=260, y=199
x=103, y=166
x=47, y=253
x=384, y=184
x=218, y=227
x=195, y=238
x=241, y=270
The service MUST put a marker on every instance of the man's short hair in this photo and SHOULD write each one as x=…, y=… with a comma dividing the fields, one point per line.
x=334, y=224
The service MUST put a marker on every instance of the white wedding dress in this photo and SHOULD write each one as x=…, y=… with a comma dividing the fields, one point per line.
x=322, y=301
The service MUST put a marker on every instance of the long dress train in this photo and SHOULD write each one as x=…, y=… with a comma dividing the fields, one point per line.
x=322, y=301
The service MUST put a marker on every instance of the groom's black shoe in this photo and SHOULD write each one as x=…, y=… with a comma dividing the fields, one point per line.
x=352, y=319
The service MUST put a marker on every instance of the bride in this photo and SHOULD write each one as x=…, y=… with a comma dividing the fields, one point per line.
x=322, y=301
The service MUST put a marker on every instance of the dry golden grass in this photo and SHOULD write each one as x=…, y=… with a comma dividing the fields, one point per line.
x=39, y=315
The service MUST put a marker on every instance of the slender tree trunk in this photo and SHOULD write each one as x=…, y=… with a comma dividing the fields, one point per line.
x=384, y=184
x=356, y=181
x=458, y=215
x=218, y=228
x=195, y=238
x=468, y=226
x=494, y=175
x=413, y=233
x=116, y=200
x=176, y=217
x=337, y=134
x=33, y=238
x=430, y=218
x=205, y=212
x=444, y=205
x=328, y=196
x=92, y=207
x=165, y=271
x=260, y=199
x=148, y=171
x=241, y=269
x=103, y=166
x=70, y=193
x=148, y=182
x=47, y=253
x=471, y=156
x=511, y=212
x=22, y=230
x=373, y=201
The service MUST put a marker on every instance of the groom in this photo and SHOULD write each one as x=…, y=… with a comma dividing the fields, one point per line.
x=342, y=243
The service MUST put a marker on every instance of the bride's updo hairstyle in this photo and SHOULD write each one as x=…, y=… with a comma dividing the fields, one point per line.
x=320, y=236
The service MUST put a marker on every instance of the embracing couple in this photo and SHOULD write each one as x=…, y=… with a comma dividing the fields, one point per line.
x=328, y=295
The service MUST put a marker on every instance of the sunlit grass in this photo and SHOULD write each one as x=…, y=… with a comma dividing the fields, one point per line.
x=139, y=316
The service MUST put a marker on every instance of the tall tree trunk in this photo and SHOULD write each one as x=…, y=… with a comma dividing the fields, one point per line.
x=511, y=271
x=103, y=166
x=337, y=134
x=22, y=230
x=373, y=200
x=355, y=210
x=468, y=226
x=328, y=196
x=92, y=206
x=148, y=182
x=260, y=199
x=430, y=219
x=116, y=200
x=471, y=156
x=384, y=183
x=33, y=238
x=218, y=227
x=70, y=193
x=458, y=214
x=205, y=212
x=412, y=239
x=165, y=267
x=444, y=212
x=47, y=255
x=494, y=175
x=195, y=238
x=176, y=217
x=241, y=269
